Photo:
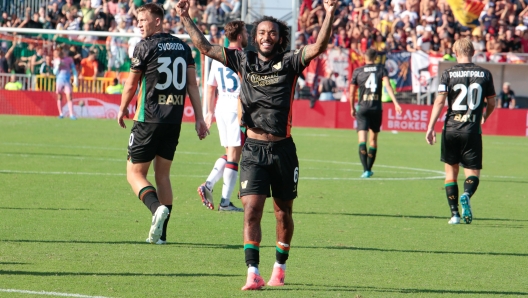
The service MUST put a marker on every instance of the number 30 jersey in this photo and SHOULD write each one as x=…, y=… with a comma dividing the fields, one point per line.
x=369, y=78
x=467, y=86
x=163, y=61
x=228, y=86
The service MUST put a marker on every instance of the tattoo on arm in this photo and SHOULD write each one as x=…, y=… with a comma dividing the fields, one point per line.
x=314, y=50
x=202, y=44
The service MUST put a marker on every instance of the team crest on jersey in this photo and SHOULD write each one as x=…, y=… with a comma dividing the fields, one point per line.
x=135, y=61
x=278, y=66
x=297, y=51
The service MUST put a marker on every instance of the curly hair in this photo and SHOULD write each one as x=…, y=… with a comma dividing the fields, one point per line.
x=233, y=29
x=284, y=31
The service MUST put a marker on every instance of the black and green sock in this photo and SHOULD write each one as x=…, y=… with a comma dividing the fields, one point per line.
x=252, y=252
x=371, y=157
x=471, y=184
x=451, y=189
x=149, y=197
x=363, y=155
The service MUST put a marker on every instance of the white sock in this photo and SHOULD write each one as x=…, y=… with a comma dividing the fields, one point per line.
x=216, y=173
x=230, y=179
x=282, y=266
x=252, y=269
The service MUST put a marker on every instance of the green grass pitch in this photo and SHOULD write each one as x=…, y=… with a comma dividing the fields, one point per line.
x=70, y=224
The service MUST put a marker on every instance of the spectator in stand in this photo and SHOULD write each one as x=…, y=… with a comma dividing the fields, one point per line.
x=477, y=41
x=313, y=36
x=167, y=27
x=506, y=98
x=89, y=67
x=69, y=7
x=232, y=9
x=13, y=84
x=123, y=16
x=95, y=3
x=4, y=66
x=104, y=13
x=195, y=12
x=73, y=22
x=25, y=56
x=216, y=36
x=341, y=39
x=113, y=6
x=214, y=14
x=170, y=4
x=31, y=22
x=115, y=88
x=54, y=15
x=327, y=87
x=88, y=12
x=423, y=43
x=172, y=16
x=37, y=60
x=46, y=68
x=59, y=3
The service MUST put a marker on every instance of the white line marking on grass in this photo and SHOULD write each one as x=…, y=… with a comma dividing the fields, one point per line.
x=48, y=293
x=90, y=158
x=372, y=179
x=379, y=166
x=82, y=173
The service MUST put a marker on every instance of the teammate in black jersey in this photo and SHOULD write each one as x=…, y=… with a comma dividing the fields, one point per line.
x=468, y=89
x=164, y=68
x=369, y=79
x=269, y=158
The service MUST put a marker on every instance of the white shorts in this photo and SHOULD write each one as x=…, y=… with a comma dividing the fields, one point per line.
x=228, y=129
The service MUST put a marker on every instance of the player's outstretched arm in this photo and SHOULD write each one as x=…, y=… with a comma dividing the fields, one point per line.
x=314, y=50
x=390, y=91
x=194, y=94
x=129, y=90
x=438, y=105
x=200, y=42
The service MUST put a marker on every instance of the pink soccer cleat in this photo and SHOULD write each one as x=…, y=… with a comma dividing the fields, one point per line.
x=254, y=282
x=277, y=277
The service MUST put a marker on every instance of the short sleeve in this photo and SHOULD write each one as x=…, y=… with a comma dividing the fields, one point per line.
x=297, y=60
x=138, y=62
x=189, y=59
x=444, y=82
x=211, y=81
x=384, y=72
x=354, y=77
x=233, y=59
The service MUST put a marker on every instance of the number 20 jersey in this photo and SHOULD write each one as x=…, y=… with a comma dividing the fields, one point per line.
x=163, y=60
x=467, y=86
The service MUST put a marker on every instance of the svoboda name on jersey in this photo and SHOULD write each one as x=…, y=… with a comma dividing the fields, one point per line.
x=170, y=46
x=466, y=74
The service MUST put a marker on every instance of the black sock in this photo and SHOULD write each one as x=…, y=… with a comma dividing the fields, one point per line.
x=281, y=252
x=371, y=157
x=252, y=252
x=363, y=156
x=164, y=234
x=451, y=188
x=149, y=197
x=470, y=185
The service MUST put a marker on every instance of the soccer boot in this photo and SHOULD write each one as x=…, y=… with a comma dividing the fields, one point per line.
x=277, y=277
x=207, y=196
x=229, y=207
x=253, y=282
x=466, y=208
x=156, y=228
x=367, y=174
x=455, y=220
x=159, y=242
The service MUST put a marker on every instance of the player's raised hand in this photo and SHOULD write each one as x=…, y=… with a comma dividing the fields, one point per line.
x=120, y=116
x=201, y=128
x=183, y=8
x=430, y=137
x=330, y=6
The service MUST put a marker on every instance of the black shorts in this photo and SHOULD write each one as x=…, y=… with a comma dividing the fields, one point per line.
x=150, y=139
x=369, y=119
x=462, y=148
x=269, y=164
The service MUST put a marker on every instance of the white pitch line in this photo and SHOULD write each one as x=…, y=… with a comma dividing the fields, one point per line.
x=90, y=158
x=48, y=293
x=380, y=166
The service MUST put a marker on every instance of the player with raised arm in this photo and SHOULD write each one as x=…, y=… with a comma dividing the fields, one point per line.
x=164, y=68
x=269, y=158
x=226, y=81
x=469, y=90
x=370, y=80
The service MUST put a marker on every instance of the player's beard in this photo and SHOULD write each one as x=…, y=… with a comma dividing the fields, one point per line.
x=275, y=50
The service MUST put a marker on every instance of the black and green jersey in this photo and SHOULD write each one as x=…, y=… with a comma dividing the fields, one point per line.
x=369, y=79
x=162, y=59
x=466, y=86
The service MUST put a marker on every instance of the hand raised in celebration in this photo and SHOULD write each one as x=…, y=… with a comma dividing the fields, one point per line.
x=183, y=8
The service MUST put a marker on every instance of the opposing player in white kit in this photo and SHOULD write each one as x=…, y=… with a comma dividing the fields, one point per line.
x=227, y=83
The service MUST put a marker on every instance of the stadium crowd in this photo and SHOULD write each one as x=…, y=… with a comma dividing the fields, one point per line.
x=387, y=26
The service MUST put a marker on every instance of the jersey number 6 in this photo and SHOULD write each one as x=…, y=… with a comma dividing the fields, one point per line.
x=178, y=79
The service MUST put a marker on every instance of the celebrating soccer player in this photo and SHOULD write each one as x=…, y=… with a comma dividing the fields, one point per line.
x=369, y=78
x=269, y=158
x=467, y=87
x=164, y=67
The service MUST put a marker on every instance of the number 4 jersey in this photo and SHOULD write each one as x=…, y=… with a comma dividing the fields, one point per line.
x=369, y=78
x=163, y=61
x=467, y=86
